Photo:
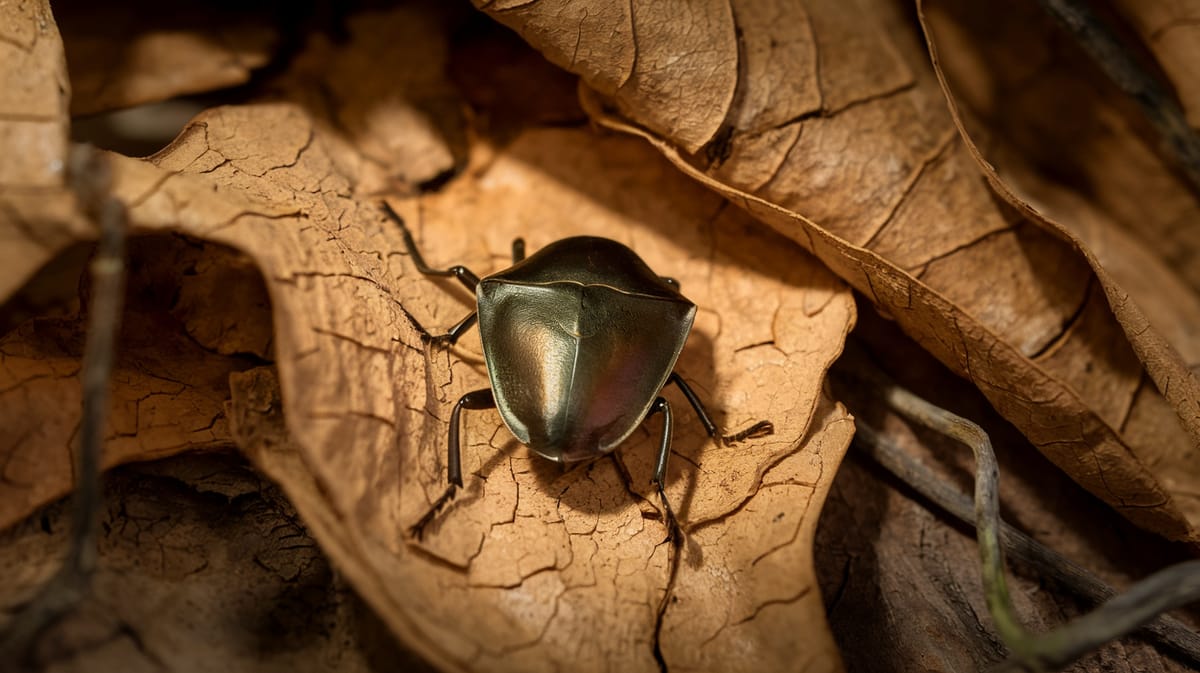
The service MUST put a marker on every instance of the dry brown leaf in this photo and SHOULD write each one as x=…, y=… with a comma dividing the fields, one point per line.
x=655, y=59
x=1159, y=314
x=167, y=392
x=33, y=112
x=144, y=51
x=1026, y=85
x=37, y=216
x=1051, y=416
x=771, y=321
x=398, y=108
x=884, y=192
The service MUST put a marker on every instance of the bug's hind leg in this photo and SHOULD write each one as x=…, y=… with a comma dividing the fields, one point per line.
x=759, y=429
x=518, y=250
x=674, y=532
x=694, y=400
x=476, y=399
x=462, y=273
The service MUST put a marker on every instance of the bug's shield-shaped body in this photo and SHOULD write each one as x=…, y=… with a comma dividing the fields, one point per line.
x=579, y=339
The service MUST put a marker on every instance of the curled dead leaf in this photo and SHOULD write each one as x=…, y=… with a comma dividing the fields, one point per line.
x=886, y=194
x=645, y=55
x=37, y=215
x=1158, y=317
x=1172, y=32
x=398, y=109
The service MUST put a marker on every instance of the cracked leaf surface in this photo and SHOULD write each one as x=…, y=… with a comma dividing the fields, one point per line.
x=355, y=432
x=550, y=555
x=876, y=181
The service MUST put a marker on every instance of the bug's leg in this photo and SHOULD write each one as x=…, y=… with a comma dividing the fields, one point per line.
x=518, y=250
x=476, y=399
x=674, y=532
x=462, y=273
x=694, y=400
x=451, y=337
x=759, y=429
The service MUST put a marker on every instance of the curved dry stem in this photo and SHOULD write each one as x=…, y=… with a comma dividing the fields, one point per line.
x=70, y=584
x=1165, y=590
x=1167, y=631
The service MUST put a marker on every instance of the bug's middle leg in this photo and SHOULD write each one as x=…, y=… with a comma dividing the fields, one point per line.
x=674, y=532
x=694, y=400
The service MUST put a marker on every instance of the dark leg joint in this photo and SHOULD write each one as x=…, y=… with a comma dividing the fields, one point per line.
x=476, y=399
x=455, y=332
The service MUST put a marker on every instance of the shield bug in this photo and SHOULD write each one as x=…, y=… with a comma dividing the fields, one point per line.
x=579, y=340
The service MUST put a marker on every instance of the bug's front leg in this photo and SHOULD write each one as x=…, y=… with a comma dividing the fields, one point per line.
x=476, y=399
x=462, y=273
x=674, y=532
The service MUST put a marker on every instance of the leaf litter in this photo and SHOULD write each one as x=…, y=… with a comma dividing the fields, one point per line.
x=882, y=188
x=294, y=188
x=530, y=568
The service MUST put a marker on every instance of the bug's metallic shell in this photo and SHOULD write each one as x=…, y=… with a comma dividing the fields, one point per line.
x=579, y=338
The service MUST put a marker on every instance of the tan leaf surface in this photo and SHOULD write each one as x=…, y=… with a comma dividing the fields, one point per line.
x=158, y=51
x=398, y=108
x=880, y=187
x=550, y=555
x=167, y=391
x=37, y=217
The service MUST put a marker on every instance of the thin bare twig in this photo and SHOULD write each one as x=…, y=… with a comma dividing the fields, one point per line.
x=1169, y=588
x=91, y=180
x=1167, y=631
x=1156, y=102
